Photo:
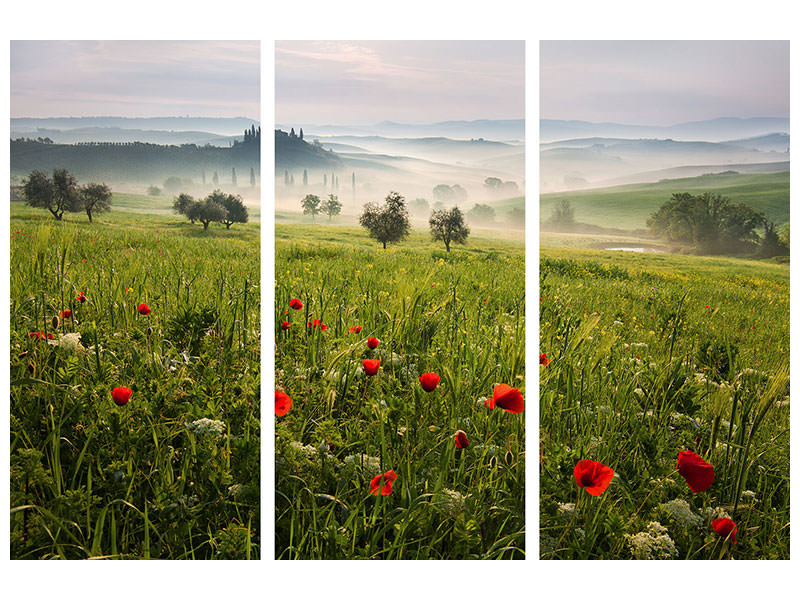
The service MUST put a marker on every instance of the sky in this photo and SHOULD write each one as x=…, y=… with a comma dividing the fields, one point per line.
x=135, y=79
x=663, y=82
x=362, y=83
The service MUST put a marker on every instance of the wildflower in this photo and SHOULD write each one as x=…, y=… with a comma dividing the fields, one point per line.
x=355, y=329
x=507, y=398
x=370, y=465
x=39, y=335
x=372, y=343
x=461, y=439
x=682, y=513
x=654, y=543
x=207, y=426
x=450, y=502
x=371, y=366
x=285, y=325
x=543, y=360
x=144, y=309
x=429, y=381
x=65, y=314
x=593, y=476
x=317, y=323
x=283, y=403
x=566, y=508
x=81, y=297
x=389, y=477
x=68, y=341
x=295, y=304
x=697, y=472
x=725, y=528
x=121, y=395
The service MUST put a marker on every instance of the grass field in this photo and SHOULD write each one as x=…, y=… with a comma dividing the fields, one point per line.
x=648, y=356
x=459, y=315
x=629, y=206
x=174, y=472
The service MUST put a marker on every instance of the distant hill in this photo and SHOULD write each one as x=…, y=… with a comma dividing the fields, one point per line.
x=292, y=152
x=629, y=206
x=221, y=126
x=490, y=129
x=119, y=134
x=137, y=162
x=714, y=130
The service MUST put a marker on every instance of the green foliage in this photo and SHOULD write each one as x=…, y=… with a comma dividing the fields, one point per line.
x=58, y=195
x=332, y=206
x=389, y=223
x=482, y=213
x=95, y=198
x=311, y=205
x=563, y=216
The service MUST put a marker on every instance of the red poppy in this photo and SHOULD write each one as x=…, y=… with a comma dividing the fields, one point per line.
x=371, y=366
x=372, y=343
x=543, y=360
x=355, y=329
x=81, y=298
x=317, y=323
x=285, y=325
x=121, y=395
x=389, y=477
x=282, y=403
x=144, y=309
x=697, y=472
x=65, y=314
x=593, y=476
x=461, y=439
x=429, y=381
x=507, y=398
x=39, y=335
x=725, y=528
x=295, y=304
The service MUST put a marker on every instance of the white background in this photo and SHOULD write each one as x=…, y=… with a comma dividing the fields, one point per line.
x=361, y=20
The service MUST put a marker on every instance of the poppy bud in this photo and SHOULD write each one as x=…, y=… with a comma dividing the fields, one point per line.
x=55, y=322
x=31, y=369
x=149, y=331
x=461, y=439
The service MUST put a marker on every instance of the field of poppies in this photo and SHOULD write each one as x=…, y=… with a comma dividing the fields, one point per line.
x=664, y=415
x=399, y=397
x=134, y=400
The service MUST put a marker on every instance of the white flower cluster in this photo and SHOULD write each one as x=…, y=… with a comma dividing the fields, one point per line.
x=450, y=501
x=639, y=345
x=749, y=495
x=717, y=512
x=652, y=544
x=68, y=341
x=371, y=465
x=206, y=426
x=682, y=514
x=309, y=451
x=566, y=508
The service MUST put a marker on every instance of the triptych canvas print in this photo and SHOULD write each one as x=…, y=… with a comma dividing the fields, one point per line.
x=394, y=328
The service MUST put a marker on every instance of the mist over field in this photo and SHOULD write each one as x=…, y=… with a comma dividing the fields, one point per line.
x=363, y=164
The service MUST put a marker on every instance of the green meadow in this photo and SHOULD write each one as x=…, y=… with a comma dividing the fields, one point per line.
x=643, y=356
x=459, y=315
x=174, y=472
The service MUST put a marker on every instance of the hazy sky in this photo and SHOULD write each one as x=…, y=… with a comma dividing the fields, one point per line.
x=663, y=83
x=135, y=79
x=360, y=83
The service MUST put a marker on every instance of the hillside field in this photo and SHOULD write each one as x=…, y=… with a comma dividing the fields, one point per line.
x=644, y=357
x=629, y=206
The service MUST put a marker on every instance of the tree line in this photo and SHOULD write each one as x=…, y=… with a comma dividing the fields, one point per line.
x=61, y=193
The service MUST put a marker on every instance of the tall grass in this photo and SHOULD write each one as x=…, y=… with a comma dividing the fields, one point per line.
x=652, y=355
x=173, y=473
x=460, y=315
